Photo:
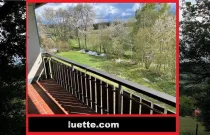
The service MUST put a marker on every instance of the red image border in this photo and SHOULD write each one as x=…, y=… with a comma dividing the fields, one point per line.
x=95, y=115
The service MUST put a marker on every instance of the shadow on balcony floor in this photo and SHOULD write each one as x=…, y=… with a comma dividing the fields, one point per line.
x=32, y=109
x=40, y=103
x=60, y=98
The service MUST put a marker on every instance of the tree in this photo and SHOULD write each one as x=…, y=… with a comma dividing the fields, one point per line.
x=49, y=15
x=118, y=37
x=102, y=25
x=61, y=24
x=186, y=105
x=38, y=19
x=77, y=21
x=106, y=42
x=165, y=44
x=145, y=44
x=194, y=52
x=87, y=19
x=12, y=79
x=144, y=47
x=148, y=14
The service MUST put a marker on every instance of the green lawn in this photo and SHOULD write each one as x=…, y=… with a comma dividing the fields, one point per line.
x=188, y=127
x=135, y=73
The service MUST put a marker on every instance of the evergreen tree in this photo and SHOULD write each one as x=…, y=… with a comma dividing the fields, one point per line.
x=194, y=56
x=12, y=68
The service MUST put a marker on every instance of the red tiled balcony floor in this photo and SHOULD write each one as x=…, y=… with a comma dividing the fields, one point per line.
x=53, y=99
x=36, y=103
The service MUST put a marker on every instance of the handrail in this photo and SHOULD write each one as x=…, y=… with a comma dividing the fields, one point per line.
x=163, y=97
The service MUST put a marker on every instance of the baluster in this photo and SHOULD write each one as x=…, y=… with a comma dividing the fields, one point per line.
x=120, y=99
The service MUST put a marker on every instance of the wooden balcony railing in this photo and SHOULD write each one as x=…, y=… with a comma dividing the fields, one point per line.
x=103, y=92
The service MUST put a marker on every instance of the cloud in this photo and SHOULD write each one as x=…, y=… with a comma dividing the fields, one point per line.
x=134, y=8
x=103, y=10
x=126, y=14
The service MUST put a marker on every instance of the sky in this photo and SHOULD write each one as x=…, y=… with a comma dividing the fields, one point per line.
x=192, y=1
x=180, y=11
x=105, y=11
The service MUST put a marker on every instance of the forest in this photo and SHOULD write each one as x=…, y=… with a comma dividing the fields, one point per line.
x=12, y=74
x=194, y=67
x=141, y=48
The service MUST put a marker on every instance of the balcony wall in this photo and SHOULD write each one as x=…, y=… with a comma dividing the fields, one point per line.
x=35, y=66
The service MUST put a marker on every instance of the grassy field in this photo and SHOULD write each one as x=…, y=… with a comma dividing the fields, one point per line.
x=188, y=127
x=135, y=73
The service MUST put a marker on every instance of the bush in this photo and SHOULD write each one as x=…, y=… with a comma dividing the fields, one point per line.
x=186, y=106
x=62, y=46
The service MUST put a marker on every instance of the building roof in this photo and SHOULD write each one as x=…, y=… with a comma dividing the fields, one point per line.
x=37, y=5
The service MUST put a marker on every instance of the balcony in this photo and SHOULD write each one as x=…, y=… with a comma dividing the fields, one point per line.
x=68, y=87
